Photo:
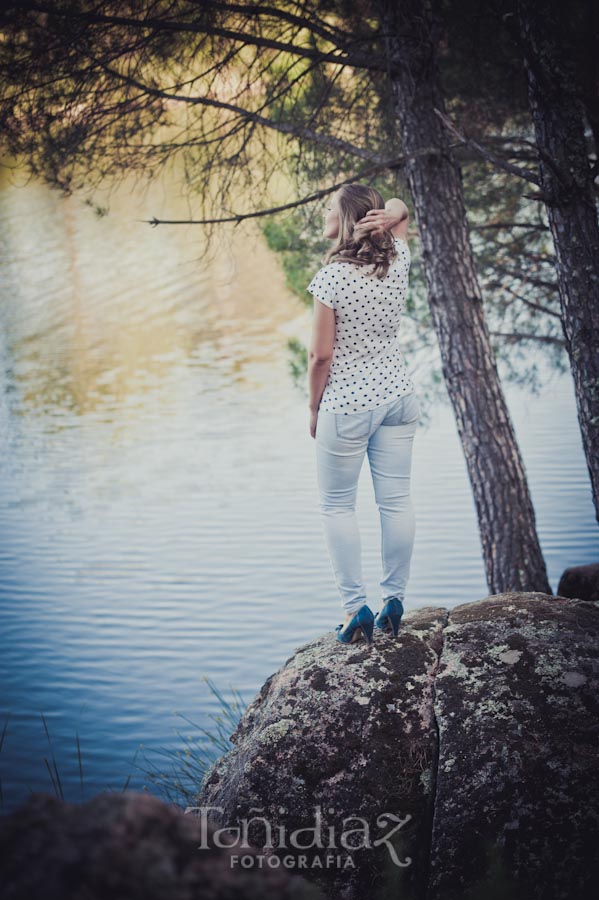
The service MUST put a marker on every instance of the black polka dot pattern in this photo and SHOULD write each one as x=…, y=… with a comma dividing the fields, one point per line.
x=368, y=368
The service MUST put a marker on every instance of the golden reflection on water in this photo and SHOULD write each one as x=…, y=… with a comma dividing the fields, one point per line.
x=101, y=309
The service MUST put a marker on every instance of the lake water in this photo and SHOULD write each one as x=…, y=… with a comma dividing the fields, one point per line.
x=158, y=505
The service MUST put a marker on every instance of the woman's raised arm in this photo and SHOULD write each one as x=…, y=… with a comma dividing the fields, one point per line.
x=390, y=218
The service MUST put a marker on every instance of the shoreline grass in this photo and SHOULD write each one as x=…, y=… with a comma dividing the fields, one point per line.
x=178, y=783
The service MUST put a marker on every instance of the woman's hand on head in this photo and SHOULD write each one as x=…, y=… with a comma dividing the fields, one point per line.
x=378, y=220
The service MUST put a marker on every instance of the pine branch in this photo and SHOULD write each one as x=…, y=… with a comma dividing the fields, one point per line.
x=395, y=163
x=512, y=337
x=486, y=154
x=157, y=24
x=293, y=130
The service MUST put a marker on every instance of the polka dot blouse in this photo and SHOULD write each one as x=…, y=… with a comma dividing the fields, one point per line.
x=368, y=368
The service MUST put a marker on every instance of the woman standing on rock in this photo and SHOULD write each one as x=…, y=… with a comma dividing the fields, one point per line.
x=362, y=399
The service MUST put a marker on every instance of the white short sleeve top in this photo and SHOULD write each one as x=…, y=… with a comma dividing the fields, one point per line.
x=368, y=368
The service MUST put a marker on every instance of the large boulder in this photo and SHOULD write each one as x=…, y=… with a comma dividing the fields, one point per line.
x=464, y=755
x=580, y=582
x=127, y=846
x=339, y=732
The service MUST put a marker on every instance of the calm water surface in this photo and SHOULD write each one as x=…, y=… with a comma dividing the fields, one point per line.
x=158, y=505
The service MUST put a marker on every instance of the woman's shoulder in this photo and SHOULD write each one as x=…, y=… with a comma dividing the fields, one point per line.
x=334, y=271
x=326, y=272
x=336, y=265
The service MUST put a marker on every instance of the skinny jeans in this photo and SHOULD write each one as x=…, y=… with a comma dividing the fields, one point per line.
x=386, y=435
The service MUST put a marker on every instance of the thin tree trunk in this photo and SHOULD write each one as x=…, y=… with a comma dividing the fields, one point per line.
x=567, y=186
x=511, y=549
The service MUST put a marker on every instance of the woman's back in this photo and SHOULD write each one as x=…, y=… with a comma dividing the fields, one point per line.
x=367, y=368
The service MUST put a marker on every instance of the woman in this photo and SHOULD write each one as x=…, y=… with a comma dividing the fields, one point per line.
x=362, y=399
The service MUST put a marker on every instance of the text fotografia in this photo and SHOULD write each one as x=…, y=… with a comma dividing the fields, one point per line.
x=355, y=834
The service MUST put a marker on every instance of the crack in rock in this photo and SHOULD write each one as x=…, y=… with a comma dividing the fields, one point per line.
x=438, y=739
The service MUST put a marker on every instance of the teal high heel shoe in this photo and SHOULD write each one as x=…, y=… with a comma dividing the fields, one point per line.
x=362, y=621
x=390, y=615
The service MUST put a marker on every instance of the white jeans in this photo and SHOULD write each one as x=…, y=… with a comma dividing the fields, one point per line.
x=386, y=434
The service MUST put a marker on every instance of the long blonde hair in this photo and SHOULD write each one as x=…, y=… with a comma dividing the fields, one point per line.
x=354, y=243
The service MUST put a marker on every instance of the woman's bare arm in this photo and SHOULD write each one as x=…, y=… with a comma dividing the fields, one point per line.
x=321, y=351
x=398, y=209
x=394, y=218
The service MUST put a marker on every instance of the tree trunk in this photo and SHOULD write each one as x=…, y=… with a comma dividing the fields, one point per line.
x=567, y=186
x=511, y=550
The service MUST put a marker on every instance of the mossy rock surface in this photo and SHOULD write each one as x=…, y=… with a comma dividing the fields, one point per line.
x=478, y=728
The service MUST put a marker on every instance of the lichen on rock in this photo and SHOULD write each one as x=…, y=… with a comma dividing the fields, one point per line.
x=477, y=729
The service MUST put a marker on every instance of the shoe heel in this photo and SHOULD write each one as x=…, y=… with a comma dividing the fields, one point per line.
x=367, y=630
x=395, y=622
x=389, y=617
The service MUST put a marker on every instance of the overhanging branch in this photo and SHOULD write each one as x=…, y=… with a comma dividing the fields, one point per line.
x=293, y=130
x=394, y=163
x=157, y=24
x=512, y=337
x=486, y=154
